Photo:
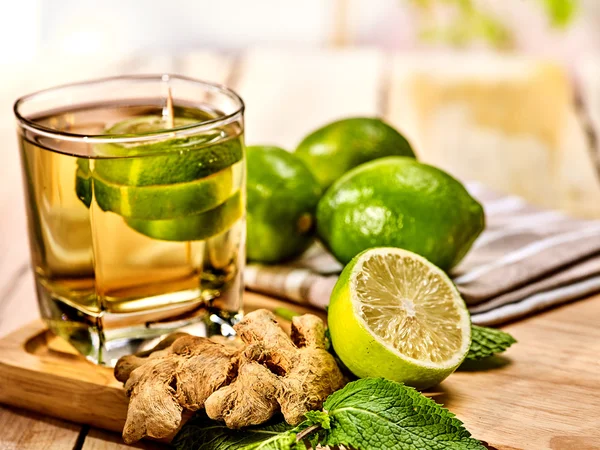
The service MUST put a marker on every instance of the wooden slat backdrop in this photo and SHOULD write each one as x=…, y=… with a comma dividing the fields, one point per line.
x=287, y=94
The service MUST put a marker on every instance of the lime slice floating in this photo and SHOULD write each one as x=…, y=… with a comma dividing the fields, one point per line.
x=83, y=182
x=195, y=227
x=175, y=160
x=395, y=315
x=165, y=201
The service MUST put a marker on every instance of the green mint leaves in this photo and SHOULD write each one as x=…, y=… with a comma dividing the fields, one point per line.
x=202, y=433
x=374, y=413
x=368, y=414
x=487, y=342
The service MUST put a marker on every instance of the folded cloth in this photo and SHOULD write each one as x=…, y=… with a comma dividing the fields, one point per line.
x=525, y=261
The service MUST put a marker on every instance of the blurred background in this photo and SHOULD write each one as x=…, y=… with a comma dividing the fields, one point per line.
x=71, y=28
x=506, y=93
x=502, y=92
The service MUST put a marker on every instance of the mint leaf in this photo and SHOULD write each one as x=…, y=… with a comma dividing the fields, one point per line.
x=488, y=341
x=319, y=418
x=373, y=414
x=202, y=433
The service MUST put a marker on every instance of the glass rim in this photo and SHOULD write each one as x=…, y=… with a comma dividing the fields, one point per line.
x=167, y=133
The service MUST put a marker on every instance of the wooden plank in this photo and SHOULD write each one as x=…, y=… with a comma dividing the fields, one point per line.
x=288, y=94
x=21, y=430
x=58, y=384
x=105, y=440
x=340, y=23
x=505, y=121
x=544, y=392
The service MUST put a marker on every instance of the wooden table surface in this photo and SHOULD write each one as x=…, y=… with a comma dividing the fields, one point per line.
x=543, y=395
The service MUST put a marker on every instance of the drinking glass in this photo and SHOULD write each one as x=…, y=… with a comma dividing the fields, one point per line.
x=135, y=195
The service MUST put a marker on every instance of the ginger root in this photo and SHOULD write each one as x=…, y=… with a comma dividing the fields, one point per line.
x=241, y=385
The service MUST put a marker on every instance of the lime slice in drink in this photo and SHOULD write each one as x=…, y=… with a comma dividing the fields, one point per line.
x=83, y=187
x=168, y=161
x=395, y=315
x=83, y=182
x=165, y=201
x=195, y=227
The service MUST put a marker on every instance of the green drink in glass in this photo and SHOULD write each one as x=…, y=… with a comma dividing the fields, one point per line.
x=136, y=210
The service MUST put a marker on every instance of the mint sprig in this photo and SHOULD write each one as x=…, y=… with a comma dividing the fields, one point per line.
x=374, y=413
x=202, y=433
x=368, y=414
x=487, y=342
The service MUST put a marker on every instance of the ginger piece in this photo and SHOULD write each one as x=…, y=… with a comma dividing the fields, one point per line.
x=127, y=364
x=314, y=376
x=249, y=400
x=273, y=372
x=205, y=366
x=165, y=382
x=153, y=409
x=305, y=373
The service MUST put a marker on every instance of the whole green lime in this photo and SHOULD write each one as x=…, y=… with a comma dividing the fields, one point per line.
x=399, y=202
x=282, y=201
x=340, y=146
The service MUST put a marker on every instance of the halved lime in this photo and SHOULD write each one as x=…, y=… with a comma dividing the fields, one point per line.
x=175, y=160
x=195, y=227
x=395, y=315
x=165, y=201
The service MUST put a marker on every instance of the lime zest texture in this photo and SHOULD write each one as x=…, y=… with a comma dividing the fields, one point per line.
x=339, y=146
x=399, y=202
x=282, y=202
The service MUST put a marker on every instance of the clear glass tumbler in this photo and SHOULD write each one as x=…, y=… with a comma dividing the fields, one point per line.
x=135, y=192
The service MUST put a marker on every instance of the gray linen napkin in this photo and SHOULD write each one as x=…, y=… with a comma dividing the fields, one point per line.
x=526, y=260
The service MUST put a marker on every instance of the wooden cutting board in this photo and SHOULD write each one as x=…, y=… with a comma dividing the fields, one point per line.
x=543, y=394
x=41, y=372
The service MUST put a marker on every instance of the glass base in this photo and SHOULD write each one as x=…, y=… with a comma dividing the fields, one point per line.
x=104, y=337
